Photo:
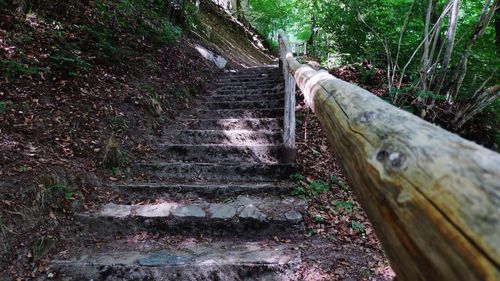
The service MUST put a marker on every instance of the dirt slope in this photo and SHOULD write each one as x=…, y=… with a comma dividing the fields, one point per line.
x=228, y=37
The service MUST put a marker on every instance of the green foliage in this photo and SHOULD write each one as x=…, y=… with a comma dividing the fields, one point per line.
x=358, y=227
x=366, y=74
x=343, y=206
x=298, y=191
x=3, y=107
x=314, y=188
x=319, y=218
x=337, y=181
x=319, y=186
x=70, y=65
x=13, y=68
x=115, y=171
x=23, y=168
x=191, y=16
x=296, y=177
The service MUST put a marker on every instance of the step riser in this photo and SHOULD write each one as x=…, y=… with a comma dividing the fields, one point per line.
x=190, y=227
x=226, y=98
x=205, y=272
x=236, y=173
x=225, y=154
x=222, y=137
x=256, y=92
x=245, y=104
x=251, y=79
x=250, y=84
x=145, y=191
x=239, y=88
x=266, y=124
x=239, y=113
x=271, y=124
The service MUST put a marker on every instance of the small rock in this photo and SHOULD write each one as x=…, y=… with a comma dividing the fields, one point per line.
x=222, y=211
x=190, y=211
x=220, y=62
x=242, y=200
x=159, y=210
x=293, y=216
x=114, y=210
x=252, y=212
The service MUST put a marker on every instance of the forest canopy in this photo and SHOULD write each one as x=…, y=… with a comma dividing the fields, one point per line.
x=440, y=58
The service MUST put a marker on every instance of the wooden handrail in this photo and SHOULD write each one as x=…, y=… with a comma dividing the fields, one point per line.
x=432, y=196
x=289, y=149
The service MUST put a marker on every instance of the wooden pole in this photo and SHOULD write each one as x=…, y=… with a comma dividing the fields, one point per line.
x=432, y=196
x=289, y=149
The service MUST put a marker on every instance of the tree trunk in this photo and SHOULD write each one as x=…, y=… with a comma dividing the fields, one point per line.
x=497, y=29
x=450, y=44
x=487, y=14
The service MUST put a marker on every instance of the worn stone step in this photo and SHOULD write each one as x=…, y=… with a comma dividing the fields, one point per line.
x=250, y=91
x=240, y=137
x=235, y=113
x=244, y=97
x=217, y=153
x=266, y=124
x=185, y=260
x=260, y=69
x=214, y=172
x=144, y=191
x=276, y=77
x=241, y=215
x=260, y=104
x=249, y=84
x=243, y=88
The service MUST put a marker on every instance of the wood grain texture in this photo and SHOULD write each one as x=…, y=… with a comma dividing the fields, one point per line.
x=432, y=196
x=289, y=148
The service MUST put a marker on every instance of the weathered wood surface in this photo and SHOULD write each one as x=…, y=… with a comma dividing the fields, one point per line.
x=432, y=196
x=289, y=148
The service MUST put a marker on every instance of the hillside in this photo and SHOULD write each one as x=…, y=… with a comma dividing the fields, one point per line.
x=83, y=97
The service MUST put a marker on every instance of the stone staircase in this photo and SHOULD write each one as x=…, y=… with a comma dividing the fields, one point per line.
x=216, y=201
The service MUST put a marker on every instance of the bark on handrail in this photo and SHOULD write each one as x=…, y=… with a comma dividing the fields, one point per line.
x=432, y=196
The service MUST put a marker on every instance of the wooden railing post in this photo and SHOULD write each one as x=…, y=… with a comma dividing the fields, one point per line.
x=289, y=149
x=432, y=197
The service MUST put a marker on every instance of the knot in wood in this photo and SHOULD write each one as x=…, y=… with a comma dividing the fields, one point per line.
x=394, y=159
x=366, y=117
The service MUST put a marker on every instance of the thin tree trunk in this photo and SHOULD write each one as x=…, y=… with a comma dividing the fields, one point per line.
x=487, y=14
x=425, y=62
x=497, y=29
x=450, y=43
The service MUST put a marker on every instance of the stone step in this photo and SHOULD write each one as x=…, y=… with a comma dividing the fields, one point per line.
x=278, y=77
x=240, y=137
x=250, y=91
x=214, y=172
x=266, y=124
x=219, y=153
x=185, y=260
x=235, y=113
x=244, y=97
x=255, y=70
x=249, y=84
x=245, y=216
x=260, y=104
x=243, y=88
x=144, y=191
